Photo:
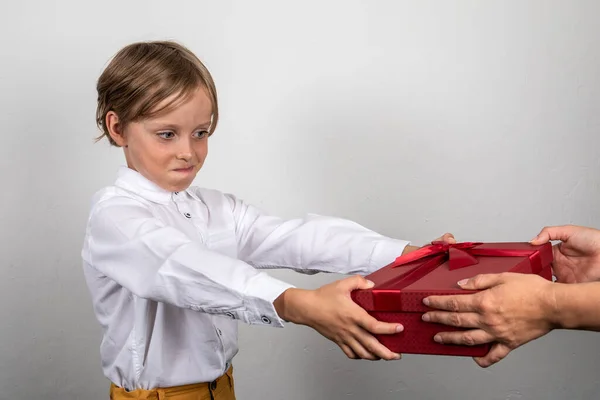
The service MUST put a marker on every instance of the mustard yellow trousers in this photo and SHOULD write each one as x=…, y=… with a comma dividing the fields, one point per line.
x=220, y=389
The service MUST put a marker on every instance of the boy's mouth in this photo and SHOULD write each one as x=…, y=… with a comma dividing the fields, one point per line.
x=188, y=169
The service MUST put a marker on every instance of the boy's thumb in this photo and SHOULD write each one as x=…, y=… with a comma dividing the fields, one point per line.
x=358, y=282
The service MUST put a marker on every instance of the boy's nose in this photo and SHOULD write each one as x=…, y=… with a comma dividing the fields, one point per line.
x=184, y=152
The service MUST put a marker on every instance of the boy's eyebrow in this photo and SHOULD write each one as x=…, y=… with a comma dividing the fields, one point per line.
x=170, y=125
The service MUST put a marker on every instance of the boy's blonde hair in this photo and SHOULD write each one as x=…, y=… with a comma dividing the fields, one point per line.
x=142, y=75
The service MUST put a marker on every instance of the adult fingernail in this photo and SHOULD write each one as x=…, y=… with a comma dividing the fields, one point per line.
x=426, y=301
x=426, y=317
x=437, y=338
x=399, y=328
x=398, y=356
x=463, y=282
x=370, y=283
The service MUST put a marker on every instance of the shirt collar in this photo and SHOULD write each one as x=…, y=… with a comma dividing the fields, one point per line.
x=137, y=183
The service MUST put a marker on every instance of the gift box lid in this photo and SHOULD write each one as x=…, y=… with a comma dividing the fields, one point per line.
x=402, y=285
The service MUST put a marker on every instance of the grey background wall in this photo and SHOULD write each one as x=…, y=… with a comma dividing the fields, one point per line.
x=412, y=118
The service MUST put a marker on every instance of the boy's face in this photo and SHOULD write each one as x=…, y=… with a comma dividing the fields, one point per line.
x=171, y=148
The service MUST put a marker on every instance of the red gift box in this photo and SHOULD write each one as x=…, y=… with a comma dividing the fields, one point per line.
x=435, y=270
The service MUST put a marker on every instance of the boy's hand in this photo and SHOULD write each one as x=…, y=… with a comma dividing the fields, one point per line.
x=331, y=311
x=446, y=237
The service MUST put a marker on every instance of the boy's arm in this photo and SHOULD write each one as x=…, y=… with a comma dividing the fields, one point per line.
x=126, y=243
x=311, y=244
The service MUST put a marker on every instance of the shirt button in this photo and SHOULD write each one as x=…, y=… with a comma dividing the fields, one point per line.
x=188, y=215
x=176, y=193
x=265, y=320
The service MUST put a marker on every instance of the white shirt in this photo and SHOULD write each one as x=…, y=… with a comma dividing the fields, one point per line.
x=171, y=274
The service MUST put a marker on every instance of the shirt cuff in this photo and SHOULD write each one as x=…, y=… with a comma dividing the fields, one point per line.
x=263, y=291
x=385, y=252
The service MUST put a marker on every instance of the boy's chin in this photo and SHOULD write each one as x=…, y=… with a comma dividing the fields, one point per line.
x=177, y=186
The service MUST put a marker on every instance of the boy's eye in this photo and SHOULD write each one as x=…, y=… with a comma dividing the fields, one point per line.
x=166, y=135
x=200, y=134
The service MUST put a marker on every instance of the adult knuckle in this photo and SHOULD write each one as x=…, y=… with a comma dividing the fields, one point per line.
x=502, y=334
x=476, y=280
x=468, y=339
x=453, y=304
x=455, y=319
x=511, y=340
x=485, y=304
x=495, y=322
x=491, y=328
x=433, y=316
x=495, y=358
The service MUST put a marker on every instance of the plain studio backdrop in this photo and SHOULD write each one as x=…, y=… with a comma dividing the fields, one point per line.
x=412, y=118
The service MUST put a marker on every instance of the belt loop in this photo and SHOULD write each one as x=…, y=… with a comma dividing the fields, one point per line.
x=211, y=388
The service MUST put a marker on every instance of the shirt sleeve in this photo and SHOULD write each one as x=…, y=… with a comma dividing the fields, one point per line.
x=311, y=244
x=154, y=261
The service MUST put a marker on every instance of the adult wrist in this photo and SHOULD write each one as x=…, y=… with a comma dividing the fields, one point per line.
x=552, y=309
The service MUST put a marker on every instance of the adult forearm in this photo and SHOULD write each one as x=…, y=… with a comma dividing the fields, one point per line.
x=577, y=306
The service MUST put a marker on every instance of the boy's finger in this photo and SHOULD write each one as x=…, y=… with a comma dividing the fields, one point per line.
x=376, y=327
x=360, y=350
x=348, y=351
x=353, y=283
x=374, y=347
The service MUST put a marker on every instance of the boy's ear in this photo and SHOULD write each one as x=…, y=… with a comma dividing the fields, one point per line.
x=115, y=129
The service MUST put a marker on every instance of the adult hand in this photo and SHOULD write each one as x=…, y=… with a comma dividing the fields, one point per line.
x=577, y=257
x=511, y=310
